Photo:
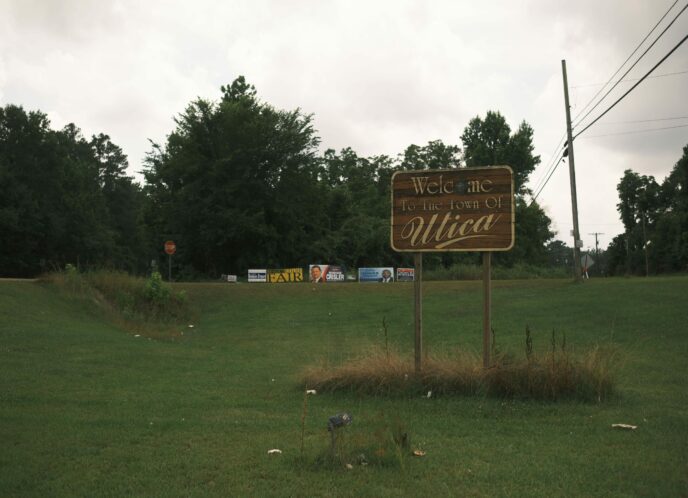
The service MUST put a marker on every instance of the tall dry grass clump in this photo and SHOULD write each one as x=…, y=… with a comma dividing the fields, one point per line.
x=377, y=371
x=556, y=374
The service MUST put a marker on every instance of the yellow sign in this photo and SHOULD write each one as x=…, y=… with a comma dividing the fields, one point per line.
x=285, y=275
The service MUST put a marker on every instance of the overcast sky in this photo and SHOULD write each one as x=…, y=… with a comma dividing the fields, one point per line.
x=377, y=75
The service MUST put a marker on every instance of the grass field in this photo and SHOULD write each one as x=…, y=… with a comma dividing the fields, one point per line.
x=87, y=409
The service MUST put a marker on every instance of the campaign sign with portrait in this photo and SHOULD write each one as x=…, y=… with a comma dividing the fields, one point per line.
x=319, y=274
x=384, y=274
x=405, y=274
x=257, y=276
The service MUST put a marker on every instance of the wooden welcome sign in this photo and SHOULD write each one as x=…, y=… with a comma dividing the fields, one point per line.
x=465, y=209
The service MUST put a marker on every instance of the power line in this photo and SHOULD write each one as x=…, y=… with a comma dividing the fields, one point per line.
x=542, y=182
x=644, y=120
x=553, y=157
x=632, y=66
x=632, y=132
x=634, y=86
x=624, y=63
x=631, y=79
x=553, y=165
x=547, y=180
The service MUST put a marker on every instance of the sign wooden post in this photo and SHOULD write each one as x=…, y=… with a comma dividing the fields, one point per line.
x=463, y=209
x=487, y=306
x=418, y=309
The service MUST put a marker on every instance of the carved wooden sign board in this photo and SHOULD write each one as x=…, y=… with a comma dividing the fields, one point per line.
x=464, y=209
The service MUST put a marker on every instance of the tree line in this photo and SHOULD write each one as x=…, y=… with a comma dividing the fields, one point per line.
x=236, y=184
x=655, y=218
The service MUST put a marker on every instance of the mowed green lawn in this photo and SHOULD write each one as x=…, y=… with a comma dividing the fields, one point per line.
x=87, y=409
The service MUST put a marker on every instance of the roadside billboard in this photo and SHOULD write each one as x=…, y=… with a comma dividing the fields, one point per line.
x=257, y=276
x=382, y=274
x=319, y=274
x=405, y=274
x=285, y=275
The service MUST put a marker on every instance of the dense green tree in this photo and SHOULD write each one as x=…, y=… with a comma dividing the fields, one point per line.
x=58, y=198
x=124, y=201
x=639, y=199
x=617, y=255
x=236, y=185
x=435, y=155
x=559, y=255
x=489, y=142
x=639, y=207
x=655, y=219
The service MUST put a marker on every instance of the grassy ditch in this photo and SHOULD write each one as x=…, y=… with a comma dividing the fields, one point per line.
x=148, y=306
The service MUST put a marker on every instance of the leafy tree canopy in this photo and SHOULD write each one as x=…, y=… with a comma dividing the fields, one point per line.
x=489, y=141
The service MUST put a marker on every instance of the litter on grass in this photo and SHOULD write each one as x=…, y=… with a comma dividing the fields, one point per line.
x=627, y=427
x=274, y=451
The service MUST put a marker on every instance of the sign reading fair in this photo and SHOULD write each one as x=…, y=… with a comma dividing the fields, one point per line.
x=283, y=275
x=465, y=209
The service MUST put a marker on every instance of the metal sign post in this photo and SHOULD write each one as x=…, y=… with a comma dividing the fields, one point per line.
x=170, y=249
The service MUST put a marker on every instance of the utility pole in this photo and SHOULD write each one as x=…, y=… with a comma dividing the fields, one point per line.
x=597, y=248
x=597, y=251
x=572, y=175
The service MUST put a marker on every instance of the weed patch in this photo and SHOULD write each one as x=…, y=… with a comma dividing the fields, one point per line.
x=556, y=374
x=377, y=441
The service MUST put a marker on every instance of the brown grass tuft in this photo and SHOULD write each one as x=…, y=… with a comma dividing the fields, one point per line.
x=552, y=376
